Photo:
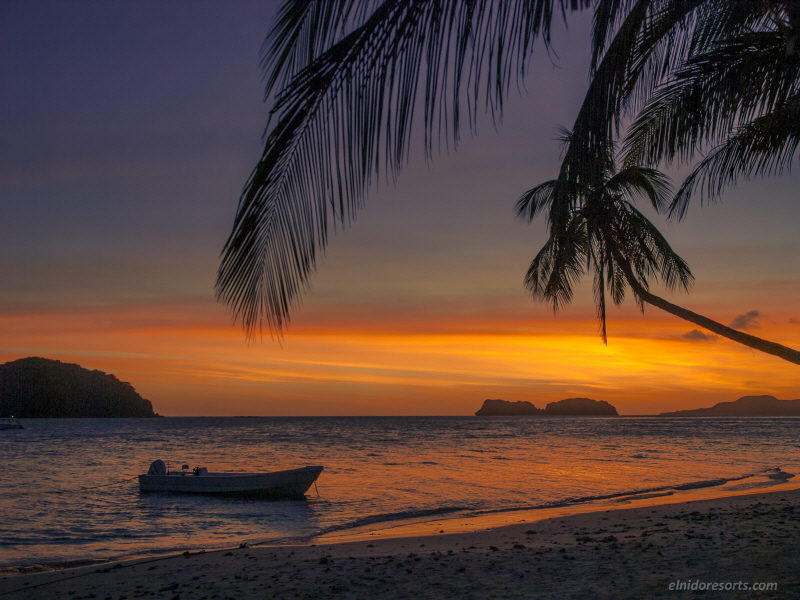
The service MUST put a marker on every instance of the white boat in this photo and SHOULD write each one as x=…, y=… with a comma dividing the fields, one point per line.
x=293, y=483
x=10, y=423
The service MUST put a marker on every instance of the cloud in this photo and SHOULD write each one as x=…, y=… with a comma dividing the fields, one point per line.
x=747, y=320
x=794, y=321
x=696, y=335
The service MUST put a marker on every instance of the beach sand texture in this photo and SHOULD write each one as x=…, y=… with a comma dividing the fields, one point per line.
x=611, y=554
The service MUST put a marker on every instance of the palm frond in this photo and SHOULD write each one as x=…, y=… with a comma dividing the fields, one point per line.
x=767, y=146
x=674, y=32
x=648, y=250
x=633, y=182
x=711, y=95
x=599, y=292
x=344, y=116
x=536, y=200
x=654, y=39
x=643, y=42
x=303, y=30
x=607, y=16
x=539, y=199
x=558, y=266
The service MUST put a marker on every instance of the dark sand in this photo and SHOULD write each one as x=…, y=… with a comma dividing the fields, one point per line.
x=608, y=554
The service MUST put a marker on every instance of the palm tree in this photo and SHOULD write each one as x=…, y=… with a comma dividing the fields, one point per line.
x=704, y=72
x=607, y=235
x=346, y=77
x=708, y=72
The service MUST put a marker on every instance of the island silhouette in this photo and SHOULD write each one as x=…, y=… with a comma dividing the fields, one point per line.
x=569, y=406
x=44, y=388
x=746, y=406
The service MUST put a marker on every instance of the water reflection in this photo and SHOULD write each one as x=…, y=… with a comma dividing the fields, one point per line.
x=375, y=468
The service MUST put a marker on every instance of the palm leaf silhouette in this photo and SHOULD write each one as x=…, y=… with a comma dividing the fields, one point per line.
x=349, y=77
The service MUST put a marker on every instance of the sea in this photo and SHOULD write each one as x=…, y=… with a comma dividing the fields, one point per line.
x=69, y=491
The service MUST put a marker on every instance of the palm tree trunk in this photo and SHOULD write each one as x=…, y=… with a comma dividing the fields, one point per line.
x=752, y=341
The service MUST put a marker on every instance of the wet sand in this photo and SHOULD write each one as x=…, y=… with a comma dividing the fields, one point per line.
x=614, y=553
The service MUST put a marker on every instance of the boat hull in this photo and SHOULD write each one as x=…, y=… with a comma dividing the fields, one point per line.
x=293, y=483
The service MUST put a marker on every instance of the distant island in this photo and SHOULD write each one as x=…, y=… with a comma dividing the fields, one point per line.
x=36, y=387
x=747, y=406
x=570, y=406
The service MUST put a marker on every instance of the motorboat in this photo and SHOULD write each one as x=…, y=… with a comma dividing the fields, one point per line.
x=293, y=483
x=10, y=423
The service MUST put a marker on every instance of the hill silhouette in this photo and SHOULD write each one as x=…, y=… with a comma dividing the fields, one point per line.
x=43, y=388
x=504, y=408
x=746, y=406
x=569, y=406
x=580, y=406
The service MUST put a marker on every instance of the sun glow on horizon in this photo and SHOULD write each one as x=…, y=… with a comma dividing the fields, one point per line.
x=183, y=368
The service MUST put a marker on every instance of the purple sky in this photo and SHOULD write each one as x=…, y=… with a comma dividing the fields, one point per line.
x=130, y=128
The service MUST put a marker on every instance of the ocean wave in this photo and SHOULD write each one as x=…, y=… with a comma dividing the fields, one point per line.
x=635, y=494
x=406, y=515
x=702, y=484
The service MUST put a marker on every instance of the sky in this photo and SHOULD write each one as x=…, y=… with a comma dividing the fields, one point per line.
x=129, y=129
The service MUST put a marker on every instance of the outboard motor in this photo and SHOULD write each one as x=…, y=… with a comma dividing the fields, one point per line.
x=157, y=467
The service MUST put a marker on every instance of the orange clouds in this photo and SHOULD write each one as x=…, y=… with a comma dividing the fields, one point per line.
x=189, y=360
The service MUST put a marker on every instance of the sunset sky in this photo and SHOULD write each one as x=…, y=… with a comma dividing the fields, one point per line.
x=129, y=129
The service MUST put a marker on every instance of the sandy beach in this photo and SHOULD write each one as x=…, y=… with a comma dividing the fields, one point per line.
x=741, y=546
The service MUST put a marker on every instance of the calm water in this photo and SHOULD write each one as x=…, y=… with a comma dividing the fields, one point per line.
x=376, y=470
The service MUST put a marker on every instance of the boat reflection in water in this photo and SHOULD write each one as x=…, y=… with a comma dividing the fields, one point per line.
x=291, y=484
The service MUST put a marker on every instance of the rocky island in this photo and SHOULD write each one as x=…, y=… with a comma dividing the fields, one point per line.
x=43, y=388
x=746, y=406
x=569, y=406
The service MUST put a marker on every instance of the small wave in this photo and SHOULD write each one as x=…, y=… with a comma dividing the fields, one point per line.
x=642, y=493
x=644, y=496
x=693, y=485
x=753, y=485
x=613, y=496
x=397, y=516
x=702, y=484
x=428, y=462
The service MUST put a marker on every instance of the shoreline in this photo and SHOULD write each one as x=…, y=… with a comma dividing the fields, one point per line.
x=456, y=521
x=632, y=550
x=483, y=519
